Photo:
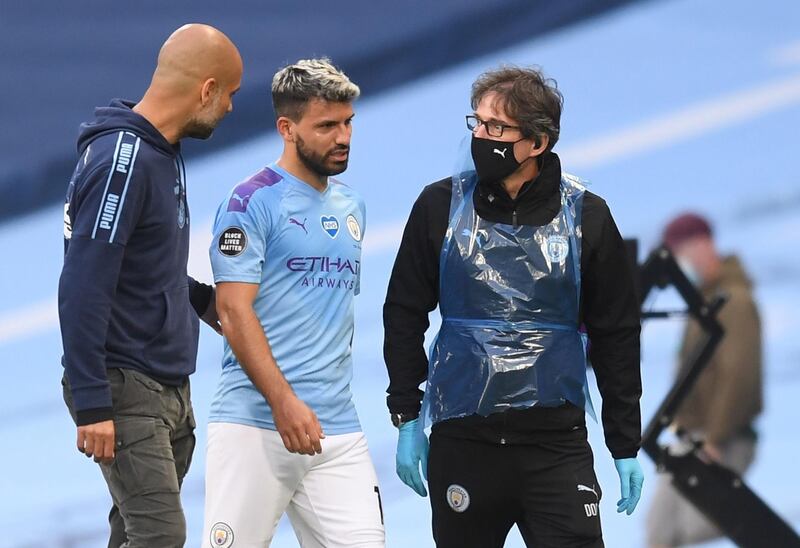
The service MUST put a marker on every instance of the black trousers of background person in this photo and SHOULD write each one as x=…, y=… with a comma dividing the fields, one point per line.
x=480, y=490
x=154, y=429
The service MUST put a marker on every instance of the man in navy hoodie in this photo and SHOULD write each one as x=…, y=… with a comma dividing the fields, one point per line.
x=128, y=309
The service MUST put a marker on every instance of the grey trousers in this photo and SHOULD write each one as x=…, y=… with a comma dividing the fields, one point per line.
x=674, y=521
x=154, y=427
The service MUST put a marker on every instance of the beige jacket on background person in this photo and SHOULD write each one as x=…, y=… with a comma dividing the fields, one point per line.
x=728, y=395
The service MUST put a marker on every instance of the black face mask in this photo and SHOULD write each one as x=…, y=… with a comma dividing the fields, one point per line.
x=494, y=160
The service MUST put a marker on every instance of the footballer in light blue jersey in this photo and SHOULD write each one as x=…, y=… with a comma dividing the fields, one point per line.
x=284, y=437
x=303, y=248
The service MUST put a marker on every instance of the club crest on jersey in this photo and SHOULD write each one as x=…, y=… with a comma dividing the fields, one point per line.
x=221, y=535
x=330, y=224
x=353, y=227
x=457, y=498
x=557, y=249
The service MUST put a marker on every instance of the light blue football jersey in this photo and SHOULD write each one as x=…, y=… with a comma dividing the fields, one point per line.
x=303, y=248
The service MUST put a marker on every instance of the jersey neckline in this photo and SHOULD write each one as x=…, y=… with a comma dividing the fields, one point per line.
x=299, y=183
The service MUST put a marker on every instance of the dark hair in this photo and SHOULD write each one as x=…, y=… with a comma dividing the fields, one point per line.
x=295, y=85
x=526, y=96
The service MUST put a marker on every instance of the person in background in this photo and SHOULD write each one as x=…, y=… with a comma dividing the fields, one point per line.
x=727, y=399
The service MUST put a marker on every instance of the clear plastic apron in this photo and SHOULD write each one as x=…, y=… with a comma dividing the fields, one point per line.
x=509, y=300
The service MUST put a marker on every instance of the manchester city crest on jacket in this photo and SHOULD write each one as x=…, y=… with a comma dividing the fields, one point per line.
x=557, y=248
x=180, y=195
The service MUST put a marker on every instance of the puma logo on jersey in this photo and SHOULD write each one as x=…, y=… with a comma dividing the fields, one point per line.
x=237, y=197
x=293, y=221
x=501, y=153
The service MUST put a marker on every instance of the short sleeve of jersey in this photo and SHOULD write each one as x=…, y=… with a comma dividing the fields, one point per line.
x=239, y=245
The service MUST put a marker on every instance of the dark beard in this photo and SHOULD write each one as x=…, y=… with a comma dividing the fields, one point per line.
x=198, y=130
x=317, y=163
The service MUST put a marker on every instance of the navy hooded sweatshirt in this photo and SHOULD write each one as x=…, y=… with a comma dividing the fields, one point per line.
x=124, y=297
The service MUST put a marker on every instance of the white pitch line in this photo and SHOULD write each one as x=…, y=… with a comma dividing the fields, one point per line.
x=30, y=320
x=668, y=129
x=684, y=124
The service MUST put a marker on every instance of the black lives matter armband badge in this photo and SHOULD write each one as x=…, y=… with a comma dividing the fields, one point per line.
x=232, y=242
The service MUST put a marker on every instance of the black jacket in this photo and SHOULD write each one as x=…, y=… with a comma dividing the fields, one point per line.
x=609, y=310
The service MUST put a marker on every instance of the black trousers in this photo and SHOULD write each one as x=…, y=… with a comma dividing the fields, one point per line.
x=479, y=490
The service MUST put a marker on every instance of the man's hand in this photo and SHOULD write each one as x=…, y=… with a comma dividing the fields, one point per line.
x=412, y=451
x=298, y=425
x=296, y=422
x=97, y=440
x=631, y=479
x=210, y=316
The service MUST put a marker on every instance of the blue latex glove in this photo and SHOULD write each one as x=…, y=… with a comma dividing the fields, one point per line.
x=412, y=448
x=631, y=479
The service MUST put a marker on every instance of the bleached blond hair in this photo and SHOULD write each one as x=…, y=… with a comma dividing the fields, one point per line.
x=295, y=85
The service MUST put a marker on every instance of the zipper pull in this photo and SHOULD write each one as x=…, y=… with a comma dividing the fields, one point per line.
x=514, y=218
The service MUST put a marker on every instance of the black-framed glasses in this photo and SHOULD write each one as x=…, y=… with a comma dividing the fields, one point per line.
x=493, y=129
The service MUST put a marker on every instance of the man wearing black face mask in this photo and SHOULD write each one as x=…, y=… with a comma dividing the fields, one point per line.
x=517, y=256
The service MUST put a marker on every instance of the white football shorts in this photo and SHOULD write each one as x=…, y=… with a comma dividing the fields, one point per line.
x=332, y=499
